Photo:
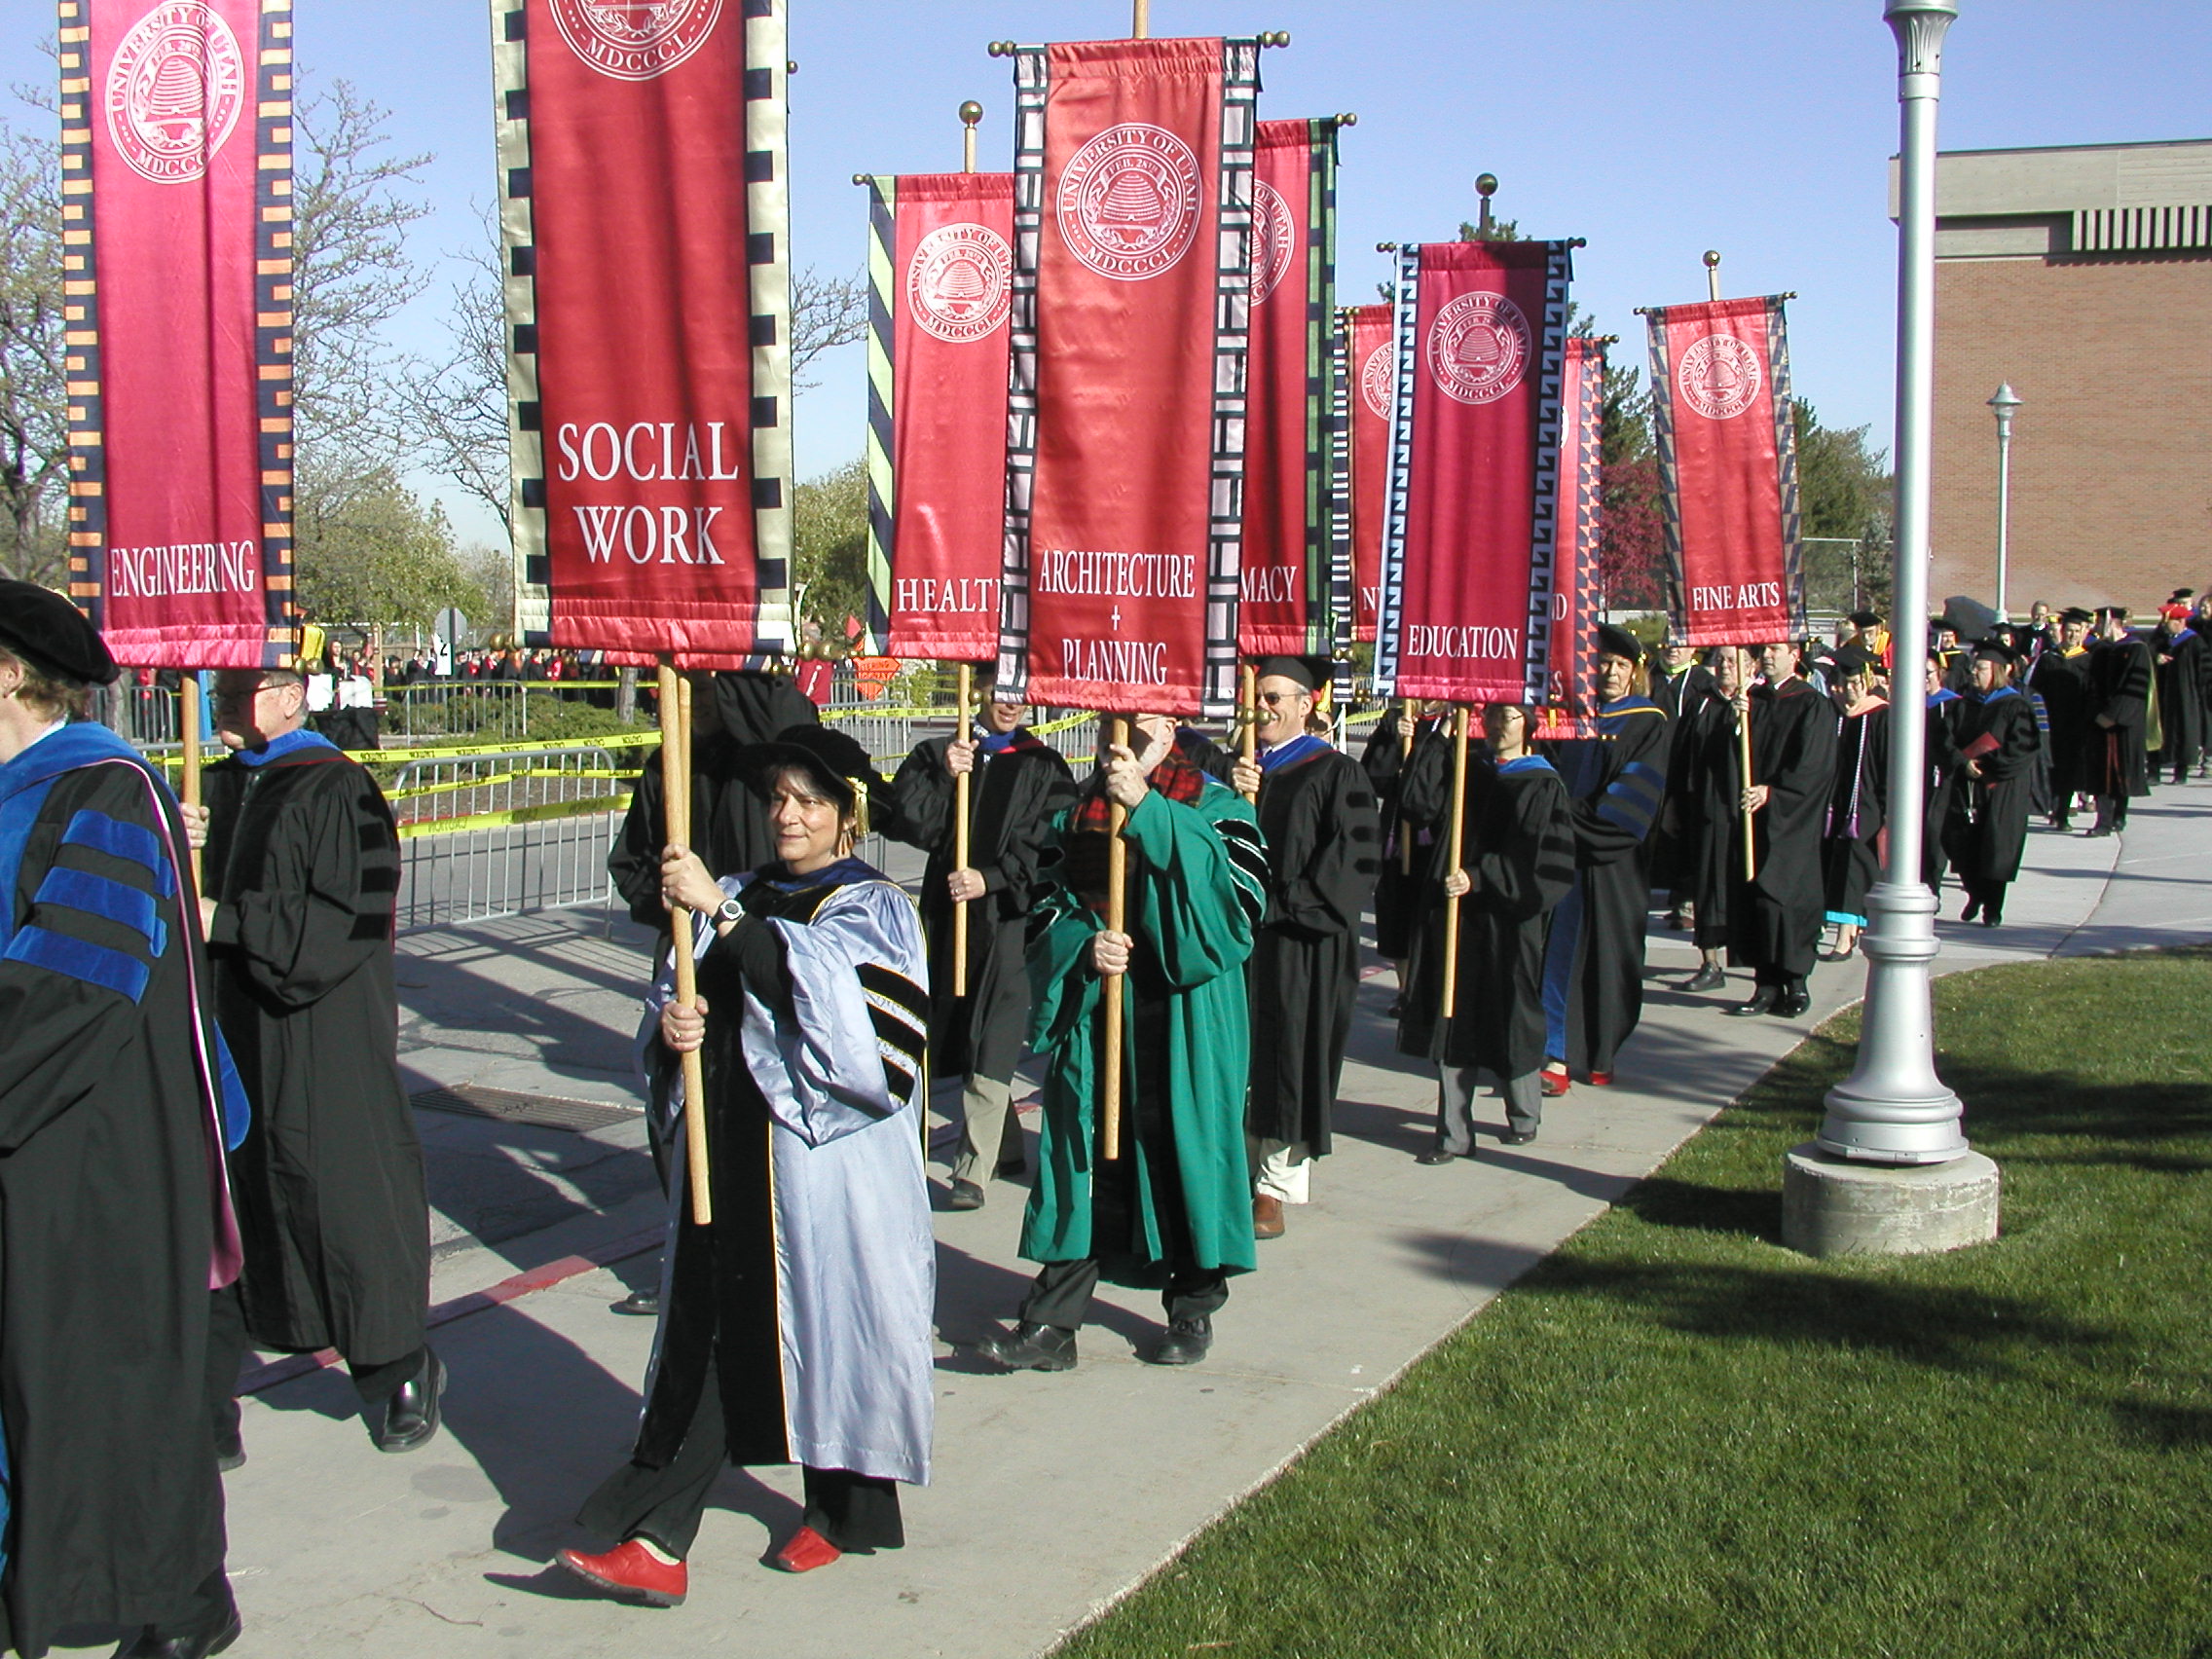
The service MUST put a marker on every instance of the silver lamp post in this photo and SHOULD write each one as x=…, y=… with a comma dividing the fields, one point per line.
x=2001, y=403
x=1894, y=1108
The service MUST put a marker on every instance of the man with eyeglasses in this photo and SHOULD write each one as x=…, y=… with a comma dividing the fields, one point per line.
x=301, y=876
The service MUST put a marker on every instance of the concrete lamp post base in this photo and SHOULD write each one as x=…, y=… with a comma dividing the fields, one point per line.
x=1833, y=1207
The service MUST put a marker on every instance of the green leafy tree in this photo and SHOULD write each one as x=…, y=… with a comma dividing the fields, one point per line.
x=1844, y=506
x=34, y=437
x=377, y=556
x=830, y=546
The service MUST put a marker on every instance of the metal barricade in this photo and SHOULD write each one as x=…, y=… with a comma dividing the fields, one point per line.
x=489, y=835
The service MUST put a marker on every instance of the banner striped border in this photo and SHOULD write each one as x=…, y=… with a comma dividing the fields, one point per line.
x=1339, y=505
x=1543, y=565
x=882, y=340
x=1328, y=590
x=767, y=201
x=1406, y=323
x=1785, y=450
x=82, y=369
x=1030, y=76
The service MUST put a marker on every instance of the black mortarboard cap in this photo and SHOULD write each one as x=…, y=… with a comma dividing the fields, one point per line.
x=1864, y=619
x=2074, y=614
x=53, y=636
x=1300, y=669
x=833, y=758
x=1619, y=642
x=1850, y=660
x=1994, y=650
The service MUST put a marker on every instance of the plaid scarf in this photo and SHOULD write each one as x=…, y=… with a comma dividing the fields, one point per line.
x=1176, y=777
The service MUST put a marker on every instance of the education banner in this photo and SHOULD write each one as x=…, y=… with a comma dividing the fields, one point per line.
x=1371, y=377
x=176, y=172
x=1721, y=412
x=1576, y=588
x=644, y=220
x=941, y=286
x=1469, y=531
x=1126, y=421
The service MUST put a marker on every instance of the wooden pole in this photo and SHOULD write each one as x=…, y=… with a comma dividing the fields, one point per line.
x=1744, y=757
x=1457, y=850
x=1110, y=987
x=1249, y=681
x=675, y=794
x=1140, y=19
x=960, y=800
x=188, y=732
x=1405, y=824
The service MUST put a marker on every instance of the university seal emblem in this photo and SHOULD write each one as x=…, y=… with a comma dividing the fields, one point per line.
x=959, y=283
x=634, y=40
x=174, y=89
x=1378, y=380
x=1718, y=376
x=1478, y=347
x=1128, y=201
x=1274, y=232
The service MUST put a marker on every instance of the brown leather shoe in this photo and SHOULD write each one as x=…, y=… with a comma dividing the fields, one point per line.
x=1267, y=1216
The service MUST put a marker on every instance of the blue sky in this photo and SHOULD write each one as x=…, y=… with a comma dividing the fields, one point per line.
x=1655, y=131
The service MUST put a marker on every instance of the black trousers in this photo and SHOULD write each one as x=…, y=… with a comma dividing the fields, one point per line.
x=226, y=1344
x=1061, y=1295
x=855, y=1512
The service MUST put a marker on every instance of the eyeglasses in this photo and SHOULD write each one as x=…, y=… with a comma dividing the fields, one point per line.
x=1274, y=699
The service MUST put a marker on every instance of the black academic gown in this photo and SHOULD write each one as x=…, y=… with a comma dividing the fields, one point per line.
x=2061, y=679
x=1317, y=816
x=1397, y=879
x=1775, y=920
x=109, y=1171
x=1710, y=818
x=1519, y=851
x=1940, y=764
x=1671, y=854
x=1617, y=786
x=2181, y=669
x=1012, y=799
x=1857, y=815
x=2118, y=679
x=1990, y=815
x=302, y=862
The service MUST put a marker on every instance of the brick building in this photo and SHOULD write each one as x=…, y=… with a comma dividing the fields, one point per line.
x=2082, y=277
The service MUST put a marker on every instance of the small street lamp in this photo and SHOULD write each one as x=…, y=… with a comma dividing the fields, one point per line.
x=2002, y=404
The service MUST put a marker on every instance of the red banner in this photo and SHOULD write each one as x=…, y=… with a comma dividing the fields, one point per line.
x=651, y=153
x=1727, y=469
x=176, y=144
x=946, y=246
x=1575, y=608
x=1120, y=578
x=1371, y=368
x=1468, y=543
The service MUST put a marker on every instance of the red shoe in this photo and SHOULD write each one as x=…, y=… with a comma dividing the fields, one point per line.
x=806, y=1551
x=1552, y=1079
x=1601, y=1079
x=632, y=1572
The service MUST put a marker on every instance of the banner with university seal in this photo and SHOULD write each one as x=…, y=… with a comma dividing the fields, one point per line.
x=1369, y=345
x=1293, y=597
x=1576, y=611
x=940, y=288
x=644, y=225
x=1469, y=527
x=176, y=172
x=1720, y=413
x=1125, y=410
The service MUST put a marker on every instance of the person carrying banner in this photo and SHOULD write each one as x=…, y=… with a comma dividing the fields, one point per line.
x=1997, y=743
x=1706, y=763
x=797, y=1327
x=1594, y=961
x=115, y=1218
x=2119, y=682
x=1317, y=813
x=1519, y=864
x=2059, y=676
x=1774, y=918
x=302, y=870
x=1858, y=815
x=1172, y=1209
x=1019, y=784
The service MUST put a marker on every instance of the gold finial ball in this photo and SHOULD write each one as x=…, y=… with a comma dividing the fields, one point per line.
x=1711, y=258
x=1486, y=185
x=971, y=113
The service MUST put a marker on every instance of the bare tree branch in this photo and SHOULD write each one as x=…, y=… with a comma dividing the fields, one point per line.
x=34, y=436
x=456, y=408
x=825, y=311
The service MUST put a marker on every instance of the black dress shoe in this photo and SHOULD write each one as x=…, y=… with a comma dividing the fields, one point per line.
x=966, y=1195
x=1762, y=1001
x=1972, y=910
x=1030, y=1346
x=1516, y=1137
x=1436, y=1155
x=1991, y=916
x=1186, y=1343
x=151, y=1644
x=411, y=1415
x=1788, y=1005
x=1707, y=978
x=644, y=1302
x=228, y=1458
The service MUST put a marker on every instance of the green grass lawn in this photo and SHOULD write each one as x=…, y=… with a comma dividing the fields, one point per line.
x=1675, y=1437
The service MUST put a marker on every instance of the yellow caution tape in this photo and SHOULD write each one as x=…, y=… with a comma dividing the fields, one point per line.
x=519, y=815
x=454, y=785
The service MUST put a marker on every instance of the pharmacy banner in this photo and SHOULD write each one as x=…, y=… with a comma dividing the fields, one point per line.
x=1126, y=422
x=1288, y=600
x=1469, y=532
x=644, y=212
x=1727, y=470
x=1371, y=381
x=176, y=167
x=1576, y=588
x=941, y=285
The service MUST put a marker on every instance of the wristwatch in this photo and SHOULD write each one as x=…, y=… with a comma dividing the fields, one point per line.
x=729, y=910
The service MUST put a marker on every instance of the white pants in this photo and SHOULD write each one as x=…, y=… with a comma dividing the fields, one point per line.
x=1284, y=1174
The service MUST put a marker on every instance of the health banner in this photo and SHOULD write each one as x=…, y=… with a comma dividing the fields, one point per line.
x=941, y=287
x=1289, y=599
x=176, y=170
x=645, y=220
x=1126, y=418
x=1371, y=377
x=1720, y=412
x=1575, y=590
x=1469, y=528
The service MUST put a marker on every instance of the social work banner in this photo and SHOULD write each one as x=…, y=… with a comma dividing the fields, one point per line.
x=1371, y=379
x=1470, y=532
x=941, y=290
x=1727, y=469
x=176, y=168
x=1575, y=587
x=1125, y=423
x=645, y=220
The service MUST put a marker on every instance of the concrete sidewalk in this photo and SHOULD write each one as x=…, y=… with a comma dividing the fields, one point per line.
x=1053, y=1493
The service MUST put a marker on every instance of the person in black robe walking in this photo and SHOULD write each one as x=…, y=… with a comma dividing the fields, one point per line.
x=2119, y=684
x=1518, y=862
x=1679, y=682
x=114, y=1212
x=1944, y=709
x=1858, y=815
x=1316, y=812
x=2182, y=666
x=1017, y=784
x=2059, y=676
x=302, y=869
x=1398, y=878
x=1997, y=746
x=1705, y=790
x=1774, y=919
x=1594, y=961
